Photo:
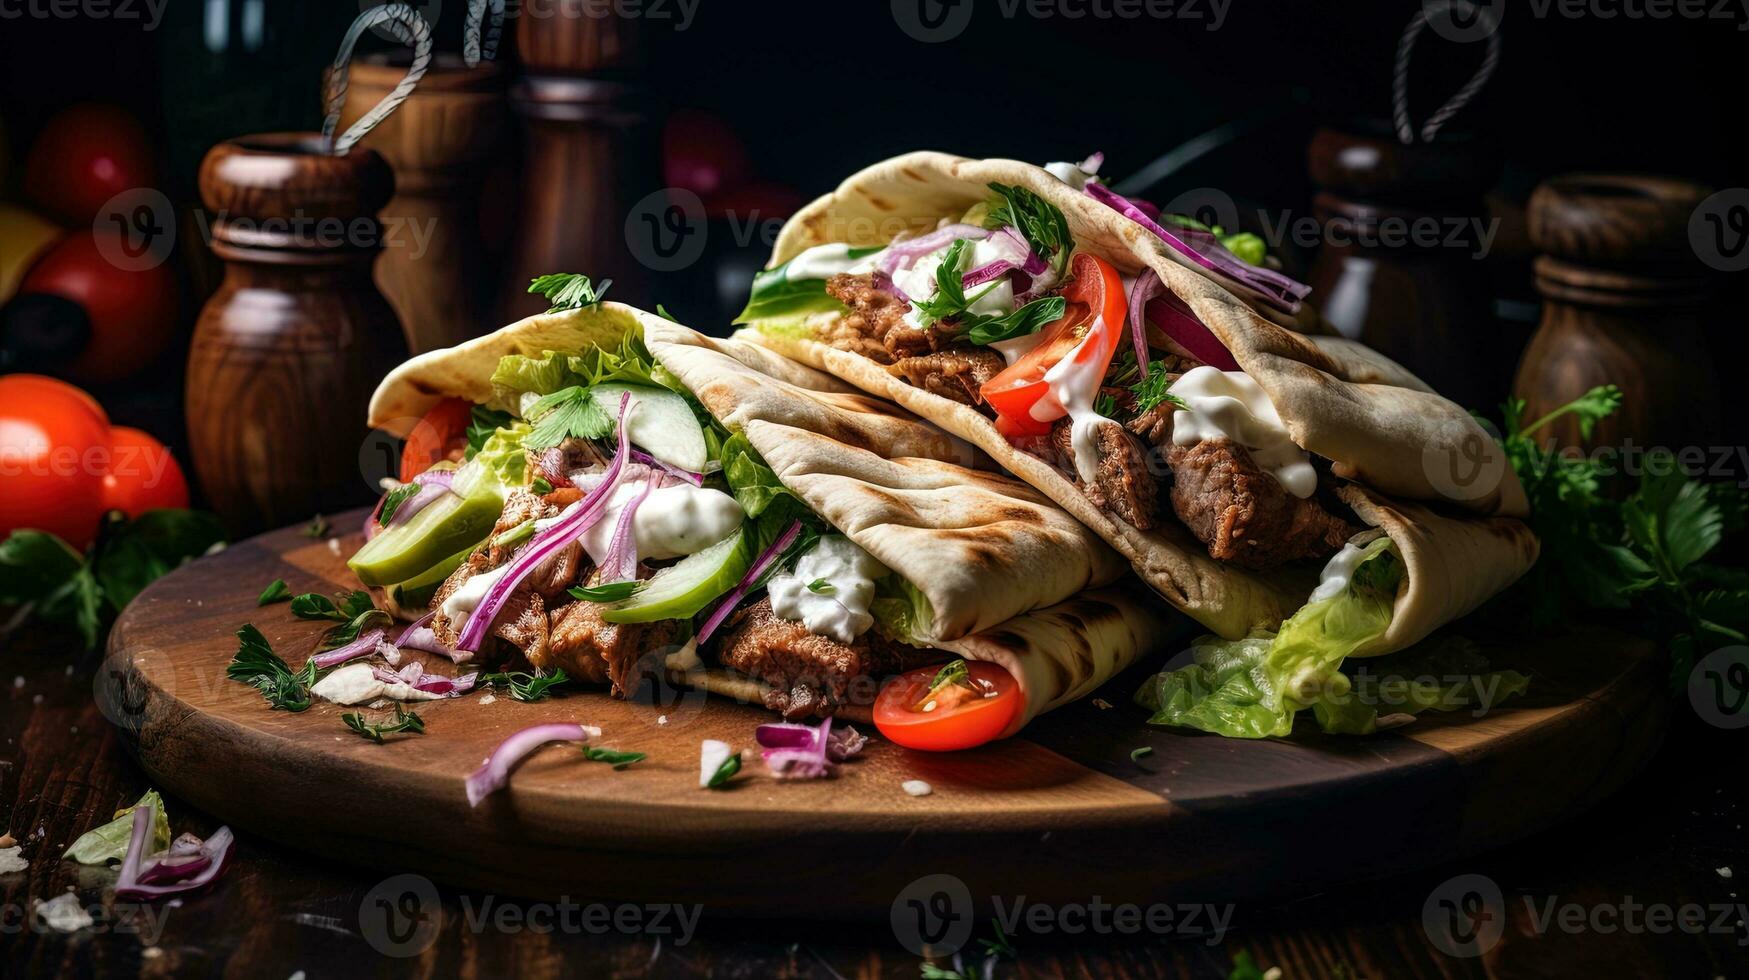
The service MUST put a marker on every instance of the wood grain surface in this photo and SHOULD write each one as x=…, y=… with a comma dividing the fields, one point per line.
x=279, y=910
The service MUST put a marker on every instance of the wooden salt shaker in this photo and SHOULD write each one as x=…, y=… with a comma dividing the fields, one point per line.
x=440, y=141
x=1624, y=302
x=286, y=354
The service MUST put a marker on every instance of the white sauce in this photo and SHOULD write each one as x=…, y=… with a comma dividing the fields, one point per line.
x=1339, y=570
x=1015, y=348
x=672, y=522
x=468, y=595
x=1074, y=385
x=918, y=282
x=1229, y=404
x=826, y=261
x=848, y=573
x=1068, y=173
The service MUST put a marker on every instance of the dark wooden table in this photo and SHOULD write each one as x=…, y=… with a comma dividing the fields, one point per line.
x=1659, y=844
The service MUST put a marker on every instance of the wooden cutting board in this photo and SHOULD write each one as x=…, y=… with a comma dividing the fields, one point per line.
x=1060, y=814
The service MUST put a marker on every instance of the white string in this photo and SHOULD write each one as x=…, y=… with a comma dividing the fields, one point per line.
x=472, y=50
x=407, y=27
x=1400, y=87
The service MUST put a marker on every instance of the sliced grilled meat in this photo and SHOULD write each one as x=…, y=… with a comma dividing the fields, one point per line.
x=956, y=372
x=588, y=646
x=874, y=313
x=1244, y=514
x=1122, y=484
x=810, y=674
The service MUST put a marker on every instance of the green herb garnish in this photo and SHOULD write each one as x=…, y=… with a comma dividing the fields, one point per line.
x=1153, y=389
x=725, y=772
x=981, y=329
x=540, y=487
x=317, y=528
x=619, y=760
x=354, y=611
x=525, y=686
x=1137, y=754
x=405, y=721
x=950, y=301
x=276, y=592
x=955, y=672
x=1040, y=222
x=820, y=586
x=257, y=665
x=606, y=592
x=567, y=413
x=481, y=424
x=393, y=500
x=568, y=290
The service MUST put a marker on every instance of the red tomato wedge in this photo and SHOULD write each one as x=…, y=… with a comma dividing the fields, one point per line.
x=982, y=712
x=1094, y=286
x=442, y=434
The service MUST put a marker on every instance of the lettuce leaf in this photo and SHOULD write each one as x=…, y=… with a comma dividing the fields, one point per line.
x=1252, y=688
x=901, y=610
x=754, y=485
x=554, y=371
x=110, y=841
x=499, y=466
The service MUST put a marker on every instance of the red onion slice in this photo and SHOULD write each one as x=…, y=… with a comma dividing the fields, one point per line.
x=365, y=645
x=1175, y=320
x=1276, y=289
x=548, y=542
x=696, y=479
x=806, y=751
x=900, y=254
x=753, y=575
x=1146, y=287
x=494, y=773
x=620, y=564
x=169, y=879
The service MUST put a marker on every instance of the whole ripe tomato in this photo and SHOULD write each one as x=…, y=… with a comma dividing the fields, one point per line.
x=702, y=153
x=132, y=311
x=143, y=475
x=86, y=155
x=54, y=450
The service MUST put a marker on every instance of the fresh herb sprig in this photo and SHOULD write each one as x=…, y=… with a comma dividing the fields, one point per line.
x=725, y=771
x=568, y=290
x=525, y=686
x=565, y=414
x=393, y=500
x=1040, y=222
x=405, y=721
x=353, y=611
x=276, y=591
x=820, y=586
x=257, y=665
x=1151, y=391
x=619, y=760
x=606, y=592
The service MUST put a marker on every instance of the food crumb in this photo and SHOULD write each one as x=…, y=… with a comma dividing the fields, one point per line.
x=334, y=545
x=1723, y=872
x=151, y=952
x=487, y=698
x=1102, y=704
x=10, y=860
x=661, y=719
x=7, y=840
x=18, y=681
x=916, y=787
x=63, y=913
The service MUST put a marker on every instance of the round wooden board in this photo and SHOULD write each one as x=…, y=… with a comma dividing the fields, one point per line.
x=1059, y=814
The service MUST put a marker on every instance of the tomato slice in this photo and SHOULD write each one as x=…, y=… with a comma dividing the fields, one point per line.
x=973, y=721
x=442, y=434
x=1095, y=285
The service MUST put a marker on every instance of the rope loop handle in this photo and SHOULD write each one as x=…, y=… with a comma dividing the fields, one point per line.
x=405, y=24
x=472, y=48
x=1489, y=24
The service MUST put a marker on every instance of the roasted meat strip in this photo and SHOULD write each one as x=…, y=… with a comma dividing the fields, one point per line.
x=1244, y=514
x=810, y=674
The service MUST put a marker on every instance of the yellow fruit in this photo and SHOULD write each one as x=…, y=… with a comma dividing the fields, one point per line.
x=24, y=235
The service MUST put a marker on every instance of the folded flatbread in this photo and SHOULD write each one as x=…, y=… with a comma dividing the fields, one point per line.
x=1002, y=572
x=1401, y=456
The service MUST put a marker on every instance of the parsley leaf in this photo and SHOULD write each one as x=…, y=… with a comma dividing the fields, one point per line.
x=820, y=586
x=567, y=413
x=619, y=760
x=405, y=721
x=984, y=329
x=568, y=290
x=1152, y=390
x=525, y=686
x=354, y=612
x=608, y=592
x=1039, y=221
x=317, y=528
x=956, y=672
x=257, y=665
x=393, y=500
x=276, y=592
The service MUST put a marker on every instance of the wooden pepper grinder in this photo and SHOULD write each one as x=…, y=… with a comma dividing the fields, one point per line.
x=1401, y=268
x=590, y=154
x=286, y=354
x=433, y=267
x=1624, y=300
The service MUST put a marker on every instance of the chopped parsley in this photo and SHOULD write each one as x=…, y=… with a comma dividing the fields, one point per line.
x=354, y=612
x=567, y=413
x=1153, y=389
x=257, y=665
x=1039, y=221
x=725, y=772
x=276, y=592
x=954, y=673
x=619, y=760
x=317, y=528
x=525, y=686
x=393, y=500
x=405, y=721
x=820, y=586
x=568, y=290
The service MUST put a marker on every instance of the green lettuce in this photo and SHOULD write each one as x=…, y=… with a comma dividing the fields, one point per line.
x=1252, y=688
x=1443, y=673
x=901, y=610
x=755, y=486
x=552, y=371
x=500, y=465
x=110, y=841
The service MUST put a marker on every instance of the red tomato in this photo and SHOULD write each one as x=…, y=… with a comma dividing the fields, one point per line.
x=947, y=728
x=54, y=449
x=132, y=312
x=701, y=153
x=442, y=434
x=1094, y=286
x=86, y=155
x=143, y=475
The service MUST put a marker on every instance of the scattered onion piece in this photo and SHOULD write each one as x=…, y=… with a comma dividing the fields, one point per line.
x=164, y=877
x=365, y=645
x=494, y=773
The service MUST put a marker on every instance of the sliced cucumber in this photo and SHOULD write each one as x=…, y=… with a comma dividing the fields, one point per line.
x=684, y=588
x=451, y=524
x=662, y=424
x=416, y=592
